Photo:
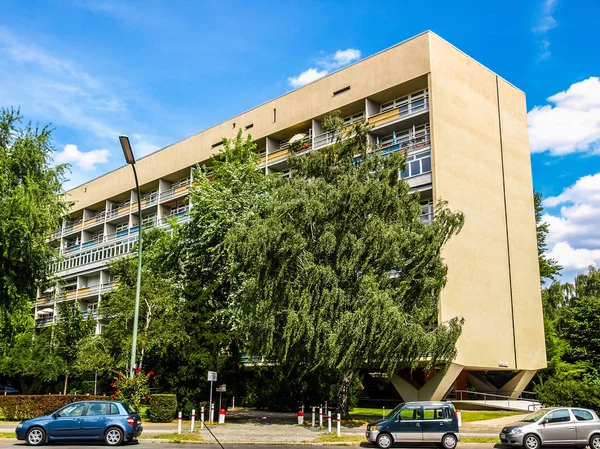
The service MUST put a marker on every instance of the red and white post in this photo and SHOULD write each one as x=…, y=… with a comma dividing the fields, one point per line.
x=300, y=417
x=313, y=417
x=222, y=414
x=329, y=421
x=339, y=425
x=193, y=420
x=212, y=412
x=320, y=417
x=202, y=417
x=179, y=419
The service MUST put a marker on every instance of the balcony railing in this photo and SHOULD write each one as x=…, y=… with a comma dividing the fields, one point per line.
x=73, y=226
x=406, y=110
x=416, y=143
x=98, y=218
x=174, y=192
x=322, y=140
x=118, y=211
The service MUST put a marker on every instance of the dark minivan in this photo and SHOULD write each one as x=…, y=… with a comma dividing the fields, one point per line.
x=417, y=422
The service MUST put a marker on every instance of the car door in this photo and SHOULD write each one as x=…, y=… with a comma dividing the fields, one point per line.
x=436, y=422
x=558, y=428
x=66, y=422
x=407, y=426
x=95, y=419
x=585, y=425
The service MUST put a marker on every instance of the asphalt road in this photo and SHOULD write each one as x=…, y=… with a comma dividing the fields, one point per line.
x=22, y=445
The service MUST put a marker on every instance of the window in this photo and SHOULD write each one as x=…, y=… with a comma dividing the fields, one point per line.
x=410, y=413
x=72, y=410
x=433, y=412
x=129, y=408
x=417, y=101
x=343, y=89
x=114, y=410
x=149, y=220
x=97, y=408
x=417, y=164
x=274, y=115
x=351, y=119
x=121, y=227
x=583, y=415
x=559, y=416
x=181, y=182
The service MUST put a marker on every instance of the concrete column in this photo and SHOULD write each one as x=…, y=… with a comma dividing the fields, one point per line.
x=433, y=390
x=517, y=384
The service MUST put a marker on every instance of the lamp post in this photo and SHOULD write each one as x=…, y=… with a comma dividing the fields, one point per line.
x=127, y=151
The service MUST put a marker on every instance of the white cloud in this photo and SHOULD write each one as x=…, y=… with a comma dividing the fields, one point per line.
x=328, y=63
x=85, y=160
x=143, y=145
x=572, y=124
x=574, y=234
x=545, y=23
x=308, y=76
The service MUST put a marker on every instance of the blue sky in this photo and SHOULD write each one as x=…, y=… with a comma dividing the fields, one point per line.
x=160, y=71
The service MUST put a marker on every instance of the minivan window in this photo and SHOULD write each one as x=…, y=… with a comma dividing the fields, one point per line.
x=410, y=413
x=559, y=416
x=583, y=415
x=129, y=408
x=433, y=412
x=393, y=412
x=534, y=417
x=114, y=410
x=97, y=409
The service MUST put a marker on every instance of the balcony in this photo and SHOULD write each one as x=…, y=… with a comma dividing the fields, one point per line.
x=417, y=143
x=400, y=112
x=97, y=219
x=174, y=192
x=147, y=201
x=55, y=234
x=73, y=226
x=45, y=321
x=91, y=314
x=118, y=211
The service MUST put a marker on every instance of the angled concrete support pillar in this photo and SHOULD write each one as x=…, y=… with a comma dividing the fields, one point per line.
x=517, y=384
x=481, y=384
x=433, y=390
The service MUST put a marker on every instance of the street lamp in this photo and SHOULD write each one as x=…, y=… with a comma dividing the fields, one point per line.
x=128, y=152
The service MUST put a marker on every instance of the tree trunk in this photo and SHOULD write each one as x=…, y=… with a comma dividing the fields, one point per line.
x=66, y=382
x=343, y=395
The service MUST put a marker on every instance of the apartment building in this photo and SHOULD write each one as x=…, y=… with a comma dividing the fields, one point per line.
x=464, y=130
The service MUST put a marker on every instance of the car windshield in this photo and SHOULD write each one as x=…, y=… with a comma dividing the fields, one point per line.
x=129, y=408
x=398, y=407
x=536, y=416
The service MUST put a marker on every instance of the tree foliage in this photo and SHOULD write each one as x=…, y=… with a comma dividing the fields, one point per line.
x=549, y=268
x=30, y=206
x=339, y=271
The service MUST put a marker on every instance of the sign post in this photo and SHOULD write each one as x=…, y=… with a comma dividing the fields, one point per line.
x=212, y=377
x=222, y=389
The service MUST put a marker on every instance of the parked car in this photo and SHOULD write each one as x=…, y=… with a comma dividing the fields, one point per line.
x=111, y=422
x=417, y=422
x=4, y=390
x=557, y=426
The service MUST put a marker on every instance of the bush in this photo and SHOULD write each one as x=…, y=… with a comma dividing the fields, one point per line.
x=162, y=407
x=569, y=393
x=20, y=407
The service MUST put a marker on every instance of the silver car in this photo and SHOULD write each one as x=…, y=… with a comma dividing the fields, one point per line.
x=556, y=426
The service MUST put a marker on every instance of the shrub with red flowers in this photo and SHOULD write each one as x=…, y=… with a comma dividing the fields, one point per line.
x=132, y=390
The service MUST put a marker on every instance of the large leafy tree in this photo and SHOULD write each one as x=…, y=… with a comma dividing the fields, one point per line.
x=339, y=272
x=549, y=268
x=30, y=206
x=71, y=329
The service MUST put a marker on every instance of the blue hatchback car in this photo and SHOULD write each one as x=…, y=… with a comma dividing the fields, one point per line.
x=111, y=422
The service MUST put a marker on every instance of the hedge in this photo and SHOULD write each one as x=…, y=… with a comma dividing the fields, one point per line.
x=162, y=407
x=20, y=407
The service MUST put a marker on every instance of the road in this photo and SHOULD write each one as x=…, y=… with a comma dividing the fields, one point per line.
x=22, y=445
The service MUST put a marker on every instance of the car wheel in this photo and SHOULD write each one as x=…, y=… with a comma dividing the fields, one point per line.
x=384, y=440
x=532, y=442
x=449, y=441
x=595, y=442
x=113, y=436
x=36, y=436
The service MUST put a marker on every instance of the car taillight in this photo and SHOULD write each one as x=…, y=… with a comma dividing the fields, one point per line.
x=130, y=421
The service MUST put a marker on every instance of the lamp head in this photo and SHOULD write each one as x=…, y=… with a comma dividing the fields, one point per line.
x=127, y=151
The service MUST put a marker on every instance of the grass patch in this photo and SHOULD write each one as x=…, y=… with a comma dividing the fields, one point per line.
x=332, y=437
x=475, y=415
x=176, y=437
x=8, y=435
x=479, y=440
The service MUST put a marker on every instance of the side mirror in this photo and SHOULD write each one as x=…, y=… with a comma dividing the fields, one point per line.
x=545, y=421
x=55, y=415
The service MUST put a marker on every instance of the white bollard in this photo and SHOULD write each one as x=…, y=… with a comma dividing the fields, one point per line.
x=313, y=417
x=222, y=416
x=179, y=423
x=212, y=412
x=329, y=421
x=339, y=425
x=202, y=417
x=459, y=417
x=300, y=417
x=383, y=412
x=193, y=419
x=233, y=404
x=320, y=417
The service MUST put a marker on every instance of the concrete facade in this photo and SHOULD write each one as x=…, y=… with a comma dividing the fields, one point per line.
x=476, y=134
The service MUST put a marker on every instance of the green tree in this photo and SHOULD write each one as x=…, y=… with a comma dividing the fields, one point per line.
x=339, y=271
x=71, y=329
x=30, y=206
x=549, y=268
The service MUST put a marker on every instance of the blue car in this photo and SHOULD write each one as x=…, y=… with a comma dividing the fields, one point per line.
x=111, y=422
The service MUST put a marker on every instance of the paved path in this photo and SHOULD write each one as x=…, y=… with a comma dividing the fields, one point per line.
x=22, y=445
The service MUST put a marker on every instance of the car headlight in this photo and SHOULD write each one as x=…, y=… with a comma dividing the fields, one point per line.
x=19, y=426
x=516, y=430
x=373, y=427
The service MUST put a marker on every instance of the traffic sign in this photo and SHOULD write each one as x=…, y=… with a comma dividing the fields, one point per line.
x=221, y=389
x=212, y=376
